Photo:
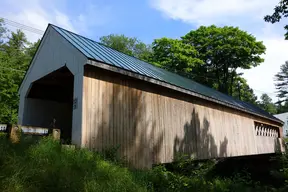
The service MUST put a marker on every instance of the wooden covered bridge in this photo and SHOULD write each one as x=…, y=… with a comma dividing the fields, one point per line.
x=103, y=98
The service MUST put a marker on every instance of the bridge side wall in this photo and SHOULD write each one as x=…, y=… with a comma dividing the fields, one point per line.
x=152, y=124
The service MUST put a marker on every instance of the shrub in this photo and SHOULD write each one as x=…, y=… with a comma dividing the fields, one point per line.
x=188, y=166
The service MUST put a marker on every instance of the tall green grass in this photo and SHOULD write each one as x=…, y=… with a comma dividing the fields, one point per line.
x=46, y=166
x=43, y=165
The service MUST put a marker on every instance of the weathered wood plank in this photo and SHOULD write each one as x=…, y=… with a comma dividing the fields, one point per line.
x=153, y=124
x=95, y=127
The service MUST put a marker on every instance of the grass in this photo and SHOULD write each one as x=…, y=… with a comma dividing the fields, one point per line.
x=44, y=165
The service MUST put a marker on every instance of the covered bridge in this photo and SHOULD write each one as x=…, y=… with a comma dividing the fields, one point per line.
x=103, y=98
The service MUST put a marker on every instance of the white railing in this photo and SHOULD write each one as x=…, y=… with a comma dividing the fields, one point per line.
x=3, y=127
x=27, y=129
x=34, y=130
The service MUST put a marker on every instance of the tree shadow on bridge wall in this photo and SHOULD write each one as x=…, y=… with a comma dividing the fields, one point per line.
x=126, y=123
x=198, y=141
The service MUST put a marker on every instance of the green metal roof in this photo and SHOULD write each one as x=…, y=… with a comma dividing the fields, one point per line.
x=99, y=52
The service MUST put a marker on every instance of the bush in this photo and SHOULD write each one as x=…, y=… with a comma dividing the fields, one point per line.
x=164, y=180
x=186, y=174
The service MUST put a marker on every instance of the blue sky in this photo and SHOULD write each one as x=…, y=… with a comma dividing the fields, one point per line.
x=97, y=18
x=150, y=19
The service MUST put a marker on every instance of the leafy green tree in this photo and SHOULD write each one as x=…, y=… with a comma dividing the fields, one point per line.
x=242, y=91
x=267, y=104
x=282, y=107
x=3, y=31
x=282, y=82
x=280, y=11
x=130, y=46
x=179, y=57
x=175, y=56
x=32, y=48
x=12, y=63
x=224, y=50
x=15, y=55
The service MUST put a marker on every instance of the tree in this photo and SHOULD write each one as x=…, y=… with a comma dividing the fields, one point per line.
x=242, y=91
x=13, y=61
x=175, y=56
x=3, y=31
x=280, y=11
x=130, y=46
x=282, y=107
x=267, y=104
x=224, y=50
x=15, y=55
x=31, y=50
x=282, y=82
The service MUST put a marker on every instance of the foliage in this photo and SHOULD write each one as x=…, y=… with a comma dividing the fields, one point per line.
x=282, y=160
x=175, y=56
x=282, y=82
x=280, y=11
x=267, y=104
x=3, y=31
x=130, y=46
x=282, y=107
x=242, y=91
x=185, y=165
x=15, y=55
x=224, y=50
x=165, y=180
x=32, y=48
x=111, y=154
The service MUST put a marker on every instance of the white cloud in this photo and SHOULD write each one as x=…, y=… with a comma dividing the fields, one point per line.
x=248, y=15
x=207, y=12
x=62, y=20
x=92, y=16
x=38, y=13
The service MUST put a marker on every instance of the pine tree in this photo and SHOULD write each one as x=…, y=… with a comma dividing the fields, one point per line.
x=282, y=82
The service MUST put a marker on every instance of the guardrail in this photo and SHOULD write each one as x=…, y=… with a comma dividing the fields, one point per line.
x=34, y=130
x=16, y=130
x=3, y=127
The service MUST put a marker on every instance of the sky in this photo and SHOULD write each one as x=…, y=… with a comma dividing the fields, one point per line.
x=151, y=19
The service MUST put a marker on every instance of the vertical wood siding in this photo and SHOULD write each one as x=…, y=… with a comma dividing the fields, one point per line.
x=153, y=125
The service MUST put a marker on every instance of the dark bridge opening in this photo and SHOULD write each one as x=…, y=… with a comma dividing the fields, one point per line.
x=51, y=97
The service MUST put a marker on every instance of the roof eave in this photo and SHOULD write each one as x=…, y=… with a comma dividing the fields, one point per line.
x=171, y=86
